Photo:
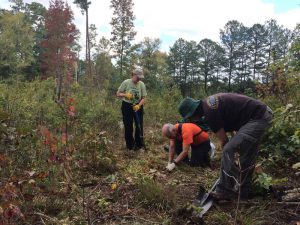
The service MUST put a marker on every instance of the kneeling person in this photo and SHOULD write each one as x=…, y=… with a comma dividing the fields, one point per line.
x=184, y=136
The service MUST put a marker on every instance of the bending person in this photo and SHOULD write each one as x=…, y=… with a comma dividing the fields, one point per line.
x=249, y=119
x=184, y=136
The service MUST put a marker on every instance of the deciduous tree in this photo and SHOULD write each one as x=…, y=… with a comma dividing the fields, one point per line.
x=16, y=43
x=59, y=58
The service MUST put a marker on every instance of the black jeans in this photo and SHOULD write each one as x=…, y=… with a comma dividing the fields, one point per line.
x=199, y=156
x=128, y=117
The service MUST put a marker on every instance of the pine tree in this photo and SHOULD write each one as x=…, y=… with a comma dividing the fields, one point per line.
x=257, y=48
x=183, y=64
x=122, y=28
x=84, y=6
x=295, y=49
x=278, y=40
x=149, y=52
x=211, y=59
x=232, y=41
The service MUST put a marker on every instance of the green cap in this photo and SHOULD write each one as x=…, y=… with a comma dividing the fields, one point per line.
x=188, y=106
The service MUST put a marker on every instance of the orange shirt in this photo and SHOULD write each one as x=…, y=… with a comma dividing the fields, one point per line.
x=189, y=135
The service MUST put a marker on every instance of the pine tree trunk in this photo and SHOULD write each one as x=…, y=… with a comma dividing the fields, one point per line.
x=121, y=55
x=205, y=82
x=121, y=62
x=254, y=66
x=88, y=45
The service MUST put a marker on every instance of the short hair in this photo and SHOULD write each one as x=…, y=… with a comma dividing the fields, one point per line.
x=170, y=129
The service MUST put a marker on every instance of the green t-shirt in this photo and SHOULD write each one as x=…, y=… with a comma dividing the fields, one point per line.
x=137, y=90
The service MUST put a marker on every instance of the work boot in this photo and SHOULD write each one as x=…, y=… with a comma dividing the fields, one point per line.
x=166, y=148
x=137, y=147
x=129, y=148
x=222, y=196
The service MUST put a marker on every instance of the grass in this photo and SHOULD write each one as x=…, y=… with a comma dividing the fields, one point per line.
x=154, y=195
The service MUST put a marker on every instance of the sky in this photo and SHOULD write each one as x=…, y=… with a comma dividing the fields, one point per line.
x=188, y=19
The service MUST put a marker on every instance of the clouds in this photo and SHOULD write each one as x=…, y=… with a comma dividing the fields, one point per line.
x=189, y=19
x=198, y=19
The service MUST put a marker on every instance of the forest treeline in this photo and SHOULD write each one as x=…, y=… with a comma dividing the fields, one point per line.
x=36, y=42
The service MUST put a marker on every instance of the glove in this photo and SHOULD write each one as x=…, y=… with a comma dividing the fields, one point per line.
x=128, y=95
x=170, y=166
x=136, y=108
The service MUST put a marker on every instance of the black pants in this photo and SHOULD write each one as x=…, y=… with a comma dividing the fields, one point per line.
x=199, y=156
x=128, y=117
x=245, y=142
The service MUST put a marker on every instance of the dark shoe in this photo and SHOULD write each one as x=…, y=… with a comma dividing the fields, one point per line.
x=245, y=195
x=136, y=148
x=166, y=148
x=129, y=147
x=222, y=196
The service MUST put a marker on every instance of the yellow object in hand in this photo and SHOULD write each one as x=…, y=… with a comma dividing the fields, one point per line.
x=128, y=95
x=136, y=108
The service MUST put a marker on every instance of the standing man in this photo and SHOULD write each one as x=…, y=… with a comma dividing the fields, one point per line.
x=133, y=93
x=229, y=112
x=184, y=136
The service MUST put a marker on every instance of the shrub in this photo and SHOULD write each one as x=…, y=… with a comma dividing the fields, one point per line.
x=283, y=139
x=153, y=195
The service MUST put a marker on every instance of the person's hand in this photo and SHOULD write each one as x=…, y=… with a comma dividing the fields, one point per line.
x=170, y=166
x=136, y=108
x=128, y=95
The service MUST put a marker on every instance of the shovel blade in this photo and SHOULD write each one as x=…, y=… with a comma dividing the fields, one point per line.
x=206, y=207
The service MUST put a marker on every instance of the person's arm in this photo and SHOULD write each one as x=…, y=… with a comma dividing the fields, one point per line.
x=221, y=135
x=144, y=94
x=171, y=151
x=142, y=102
x=183, y=154
x=122, y=90
x=120, y=94
x=172, y=164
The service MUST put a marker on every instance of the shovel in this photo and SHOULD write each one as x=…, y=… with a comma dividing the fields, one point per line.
x=204, y=200
x=137, y=118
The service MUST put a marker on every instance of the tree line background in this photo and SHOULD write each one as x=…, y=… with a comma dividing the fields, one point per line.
x=38, y=43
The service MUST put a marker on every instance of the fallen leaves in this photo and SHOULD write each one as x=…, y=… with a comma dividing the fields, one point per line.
x=114, y=186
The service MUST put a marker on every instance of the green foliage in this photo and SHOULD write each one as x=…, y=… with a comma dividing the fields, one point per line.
x=282, y=141
x=162, y=107
x=220, y=218
x=263, y=181
x=295, y=49
x=153, y=62
x=212, y=58
x=183, y=65
x=153, y=194
x=82, y=4
x=30, y=102
x=16, y=43
x=104, y=70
